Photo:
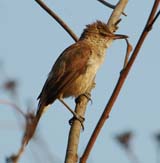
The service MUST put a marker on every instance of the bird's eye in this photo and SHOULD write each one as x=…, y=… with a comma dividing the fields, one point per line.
x=103, y=34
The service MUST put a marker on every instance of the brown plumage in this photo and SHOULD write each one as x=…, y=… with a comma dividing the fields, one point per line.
x=76, y=67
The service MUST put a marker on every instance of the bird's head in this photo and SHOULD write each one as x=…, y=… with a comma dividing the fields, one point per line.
x=99, y=32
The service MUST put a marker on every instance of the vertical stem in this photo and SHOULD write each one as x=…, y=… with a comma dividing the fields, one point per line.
x=120, y=82
x=115, y=16
x=74, y=134
x=111, y=24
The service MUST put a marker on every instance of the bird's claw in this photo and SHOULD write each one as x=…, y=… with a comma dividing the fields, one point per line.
x=88, y=96
x=79, y=118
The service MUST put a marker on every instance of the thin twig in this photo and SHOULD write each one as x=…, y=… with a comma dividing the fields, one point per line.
x=29, y=126
x=30, y=118
x=128, y=51
x=109, y=5
x=58, y=19
x=13, y=106
x=153, y=21
x=118, y=87
x=142, y=37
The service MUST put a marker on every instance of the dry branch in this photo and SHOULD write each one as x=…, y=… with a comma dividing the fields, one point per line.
x=120, y=82
x=13, y=106
x=30, y=118
x=58, y=19
x=74, y=135
x=109, y=5
x=81, y=105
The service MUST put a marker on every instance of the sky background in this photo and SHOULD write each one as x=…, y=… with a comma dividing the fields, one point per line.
x=30, y=42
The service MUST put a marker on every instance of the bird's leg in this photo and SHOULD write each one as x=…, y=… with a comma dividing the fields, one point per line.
x=87, y=95
x=75, y=115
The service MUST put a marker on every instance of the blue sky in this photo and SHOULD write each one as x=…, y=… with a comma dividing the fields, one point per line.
x=31, y=41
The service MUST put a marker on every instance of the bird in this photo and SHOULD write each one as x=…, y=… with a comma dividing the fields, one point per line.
x=76, y=67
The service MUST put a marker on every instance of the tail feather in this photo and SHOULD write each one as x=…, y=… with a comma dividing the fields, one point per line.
x=40, y=111
x=32, y=125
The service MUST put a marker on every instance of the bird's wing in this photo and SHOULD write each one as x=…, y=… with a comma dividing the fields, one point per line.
x=70, y=64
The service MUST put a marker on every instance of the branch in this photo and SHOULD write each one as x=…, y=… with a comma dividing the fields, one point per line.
x=74, y=134
x=120, y=82
x=128, y=52
x=109, y=5
x=30, y=117
x=115, y=16
x=13, y=106
x=58, y=19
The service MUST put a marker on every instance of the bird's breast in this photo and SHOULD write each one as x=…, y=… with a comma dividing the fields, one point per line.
x=83, y=81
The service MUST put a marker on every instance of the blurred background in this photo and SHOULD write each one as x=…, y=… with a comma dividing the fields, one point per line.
x=31, y=41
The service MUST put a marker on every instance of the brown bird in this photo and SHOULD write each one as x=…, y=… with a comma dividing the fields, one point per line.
x=76, y=67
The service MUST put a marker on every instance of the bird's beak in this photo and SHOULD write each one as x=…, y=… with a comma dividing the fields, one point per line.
x=117, y=36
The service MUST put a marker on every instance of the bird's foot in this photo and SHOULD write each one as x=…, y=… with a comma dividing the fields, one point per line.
x=75, y=115
x=79, y=118
x=87, y=95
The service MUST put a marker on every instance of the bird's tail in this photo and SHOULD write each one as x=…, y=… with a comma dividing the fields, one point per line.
x=32, y=126
x=40, y=111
